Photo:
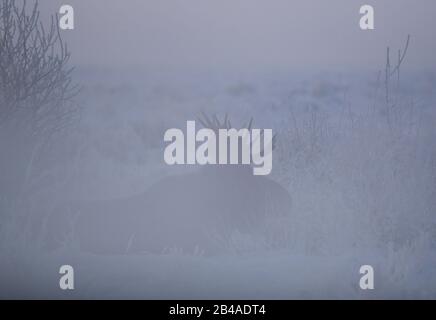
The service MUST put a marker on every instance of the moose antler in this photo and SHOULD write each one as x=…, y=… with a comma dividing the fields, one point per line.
x=215, y=124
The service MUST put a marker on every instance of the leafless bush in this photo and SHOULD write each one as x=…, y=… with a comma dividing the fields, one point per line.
x=36, y=95
x=391, y=72
x=35, y=80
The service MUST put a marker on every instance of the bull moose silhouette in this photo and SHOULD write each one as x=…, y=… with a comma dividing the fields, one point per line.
x=193, y=212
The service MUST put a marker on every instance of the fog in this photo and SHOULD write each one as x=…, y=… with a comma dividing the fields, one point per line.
x=244, y=34
x=84, y=182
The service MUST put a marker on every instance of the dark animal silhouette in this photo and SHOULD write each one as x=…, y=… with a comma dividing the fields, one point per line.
x=193, y=212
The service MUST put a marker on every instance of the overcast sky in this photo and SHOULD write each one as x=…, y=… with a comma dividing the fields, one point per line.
x=253, y=34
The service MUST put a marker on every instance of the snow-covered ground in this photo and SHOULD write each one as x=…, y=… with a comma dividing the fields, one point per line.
x=361, y=174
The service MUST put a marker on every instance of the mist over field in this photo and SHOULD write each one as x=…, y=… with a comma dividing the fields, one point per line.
x=84, y=183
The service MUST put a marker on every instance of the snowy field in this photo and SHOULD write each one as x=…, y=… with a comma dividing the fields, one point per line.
x=361, y=174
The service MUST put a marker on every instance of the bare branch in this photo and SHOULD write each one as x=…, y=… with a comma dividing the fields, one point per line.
x=35, y=81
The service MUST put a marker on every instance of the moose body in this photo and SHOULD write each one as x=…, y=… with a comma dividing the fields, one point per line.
x=195, y=212
x=192, y=212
